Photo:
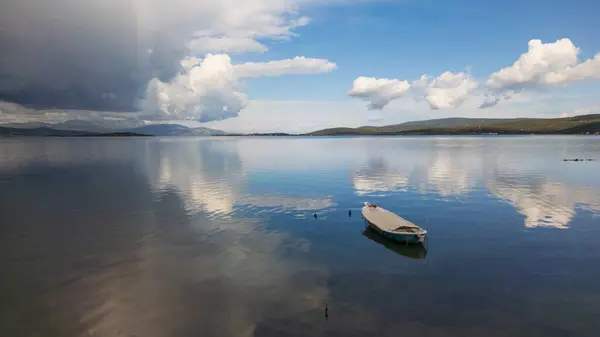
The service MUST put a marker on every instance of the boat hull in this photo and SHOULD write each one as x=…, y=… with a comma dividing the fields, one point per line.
x=399, y=237
x=411, y=251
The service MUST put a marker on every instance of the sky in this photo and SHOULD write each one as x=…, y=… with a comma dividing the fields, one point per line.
x=296, y=65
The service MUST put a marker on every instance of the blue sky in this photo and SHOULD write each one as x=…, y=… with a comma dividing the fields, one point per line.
x=405, y=39
x=300, y=65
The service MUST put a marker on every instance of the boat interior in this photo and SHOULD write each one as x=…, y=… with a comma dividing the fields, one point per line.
x=408, y=229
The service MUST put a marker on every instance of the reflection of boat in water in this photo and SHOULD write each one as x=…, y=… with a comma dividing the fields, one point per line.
x=392, y=225
x=410, y=251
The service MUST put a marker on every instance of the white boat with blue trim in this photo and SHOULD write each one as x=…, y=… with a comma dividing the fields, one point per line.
x=392, y=225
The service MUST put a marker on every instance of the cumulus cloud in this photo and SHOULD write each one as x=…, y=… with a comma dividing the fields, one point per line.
x=209, y=89
x=449, y=90
x=378, y=91
x=543, y=65
x=101, y=54
x=590, y=69
x=446, y=91
x=534, y=67
x=297, y=66
x=205, y=45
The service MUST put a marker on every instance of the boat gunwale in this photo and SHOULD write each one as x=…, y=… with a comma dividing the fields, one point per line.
x=421, y=231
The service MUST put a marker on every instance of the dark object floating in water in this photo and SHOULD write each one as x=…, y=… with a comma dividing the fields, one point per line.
x=589, y=159
x=315, y=215
x=326, y=312
x=349, y=212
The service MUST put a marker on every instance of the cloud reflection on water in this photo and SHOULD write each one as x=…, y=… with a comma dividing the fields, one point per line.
x=213, y=173
x=169, y=241
x=213, y=176
x=547, y=197
x=144, y=243
x=505, y=167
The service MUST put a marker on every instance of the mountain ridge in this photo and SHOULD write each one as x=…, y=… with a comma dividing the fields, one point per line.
x=49, y=132
x=88, y=128
x=462, y=126
x=164, y=130
x=582, y=124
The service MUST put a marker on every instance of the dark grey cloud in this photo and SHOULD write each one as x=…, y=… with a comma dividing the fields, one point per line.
x=101, y=55
x=71, y=54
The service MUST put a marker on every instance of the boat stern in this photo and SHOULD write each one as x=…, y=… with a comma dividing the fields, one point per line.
x=410, y=238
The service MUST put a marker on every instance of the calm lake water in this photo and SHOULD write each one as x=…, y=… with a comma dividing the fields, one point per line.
x=216, y=237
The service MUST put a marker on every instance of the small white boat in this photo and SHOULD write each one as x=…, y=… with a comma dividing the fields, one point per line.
x=392, y=225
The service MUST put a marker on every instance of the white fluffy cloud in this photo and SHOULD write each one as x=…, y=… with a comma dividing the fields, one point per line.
x=101, y=54
x=297, y=66
x=590, y=69
x=105, y=54
x=446, y=91
x=378, y=91
x=544, y=65
x=205, y=45
x=209, y=89
x=533, y=67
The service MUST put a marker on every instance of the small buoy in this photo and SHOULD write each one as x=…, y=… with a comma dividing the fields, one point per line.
x=350, y=212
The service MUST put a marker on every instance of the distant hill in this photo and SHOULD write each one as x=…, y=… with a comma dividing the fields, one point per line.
x=466, y=126
x=101, y=125
x=49, y=132
x=26, y=125
x=584, y=124
x=444, y=122
x=98, y=126
x=163, y=130
x=272, y=134
x=35, y=132
x=83, y=127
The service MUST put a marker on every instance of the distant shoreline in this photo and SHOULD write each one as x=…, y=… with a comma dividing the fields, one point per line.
x=117, y=135
x=407, y=134
x=25, y=133
x=113, y=134
x=577, y=125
